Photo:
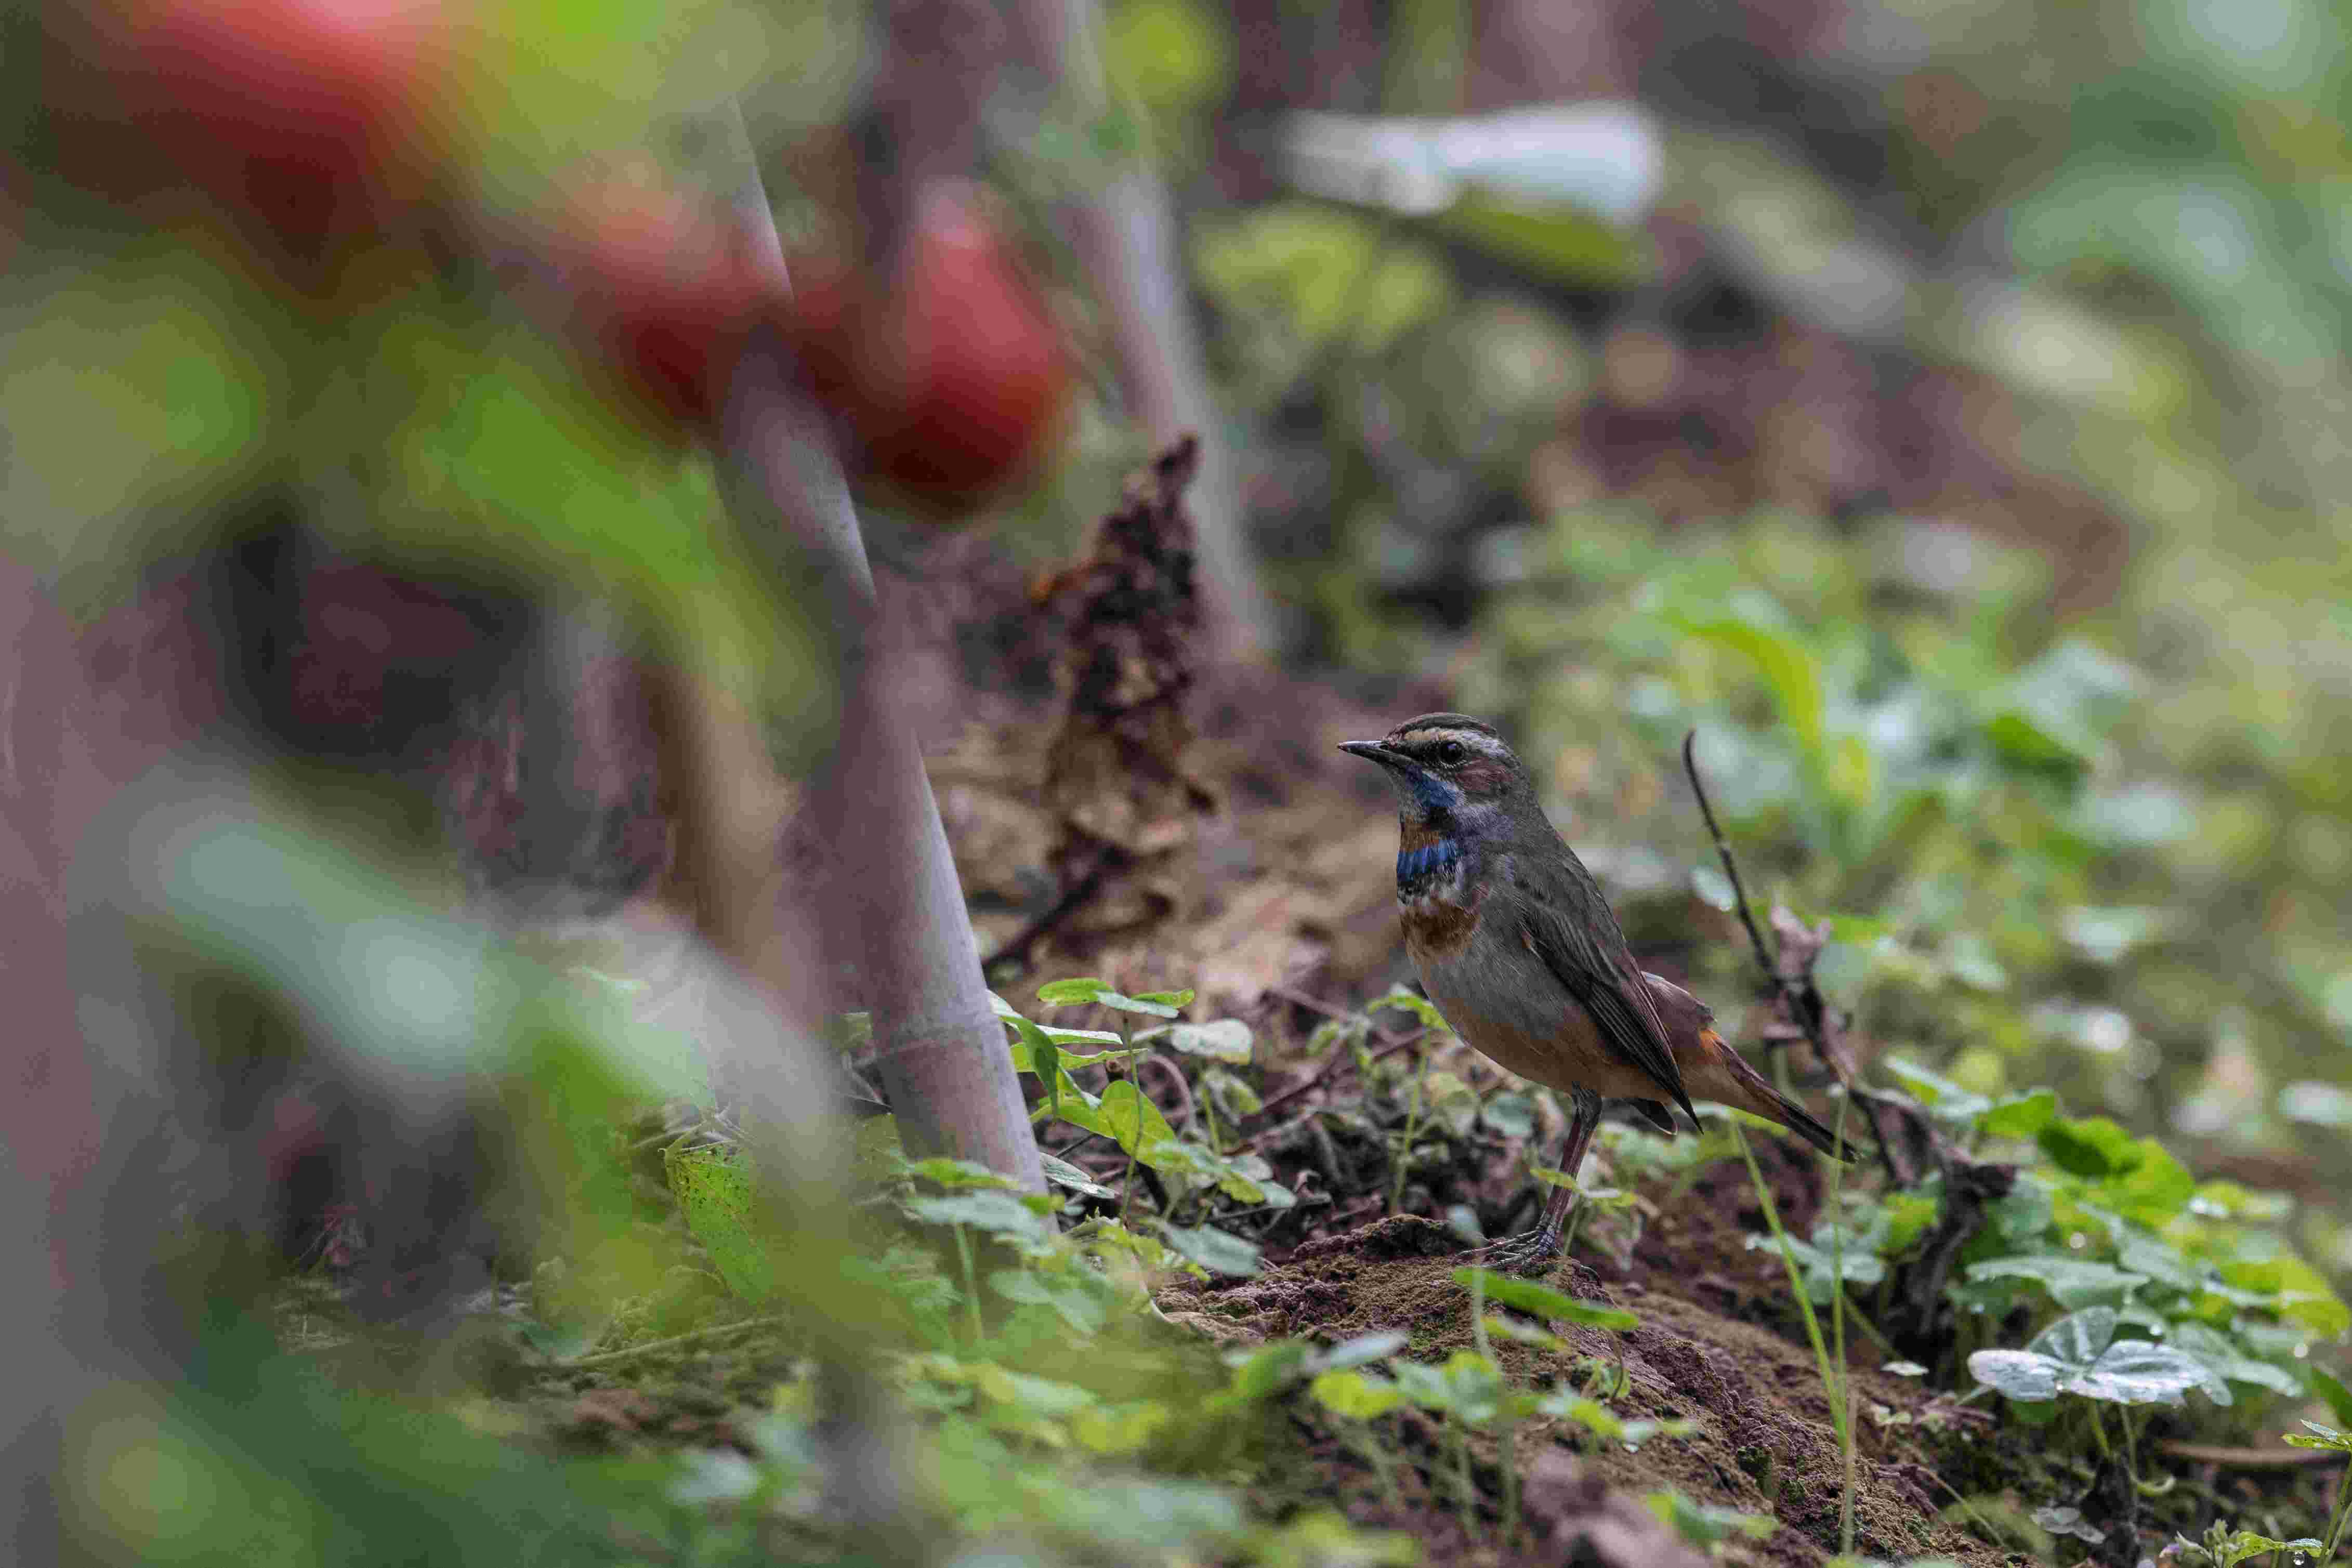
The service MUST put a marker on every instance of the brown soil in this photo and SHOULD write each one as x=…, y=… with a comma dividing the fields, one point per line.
x=1766, y=1444
x=1285, y=890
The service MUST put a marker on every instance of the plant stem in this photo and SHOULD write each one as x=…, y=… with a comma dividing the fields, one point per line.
x=1367, y=1447
x=1833, y=1377
x=971, y=1284
x=1412, y=1127
x=1861, y=1321
x=2335, y=1520
x=1135, y=1079
x=1509, y=1421
x=1465, y=1489
x=1837, y=1318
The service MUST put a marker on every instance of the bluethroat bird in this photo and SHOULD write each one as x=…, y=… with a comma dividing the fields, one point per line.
x=1518, y=948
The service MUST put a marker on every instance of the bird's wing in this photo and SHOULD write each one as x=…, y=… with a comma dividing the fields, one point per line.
x=1612, y=990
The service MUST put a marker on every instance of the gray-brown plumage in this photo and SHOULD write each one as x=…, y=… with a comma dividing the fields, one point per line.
x=1520, y=952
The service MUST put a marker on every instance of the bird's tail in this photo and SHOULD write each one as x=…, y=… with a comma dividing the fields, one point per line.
x=1726, y=1076
x=1711, y=1069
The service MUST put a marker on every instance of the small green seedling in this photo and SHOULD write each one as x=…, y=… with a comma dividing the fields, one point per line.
x=1705, y=1525
x=2065, y=1518
x=2223, y=1547
x=2328, y=1438
x=2080, y=1354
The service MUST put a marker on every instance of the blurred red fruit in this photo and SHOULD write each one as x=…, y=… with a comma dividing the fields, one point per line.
x=316, y=117
x=953, y=375
x=664, y=292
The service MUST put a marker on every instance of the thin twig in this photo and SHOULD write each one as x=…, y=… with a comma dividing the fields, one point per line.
x=1738, y=889
x=1072, y=899
x=652, y=1346
x=1183, y=1090
x=2246, y=1459
x=1811, y=1015
x=1331, y=1064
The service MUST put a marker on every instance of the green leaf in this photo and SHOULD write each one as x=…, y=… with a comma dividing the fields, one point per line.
x=1789, y=668
x=1705, y=1525
x=1131, y=1119
x=2080, y=1354
x=1269, y=1369
x=1413, y=1002
x=1232, y=1091
x=2089, y=1147
x=1087, y=991
x=2322, y=1436
x=958, y=1173
x=2229, y=1549
x=1939, y=1094
x=2020, y=1117
x=1542, y=1301
x=1358, y=1396
x=1171, y=1155
x=2071, y=1282
x=713, y=1184
x=2221, y=1357
x=1319, y=276
x=1362, y=1349
x=2293, y=1289
x=1821, y=1258
x=1513, y=1114
x=1522, y=1332
x=1225, y=1039
x=1170, y=55
x=1009, y=1215
x=2154, y=1189
x=1468, y=1384
x=1564, y=1403
x=1081, y=1301
x=2024, y=1215
x=1061, y=1172
x=1214, y=1250
x=2142, y=1372
x=2328, y=1388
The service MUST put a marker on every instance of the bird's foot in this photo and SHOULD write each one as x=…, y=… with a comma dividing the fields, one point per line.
x=1529, y=1252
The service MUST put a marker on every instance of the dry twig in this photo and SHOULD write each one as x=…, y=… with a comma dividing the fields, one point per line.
x=1789, y=975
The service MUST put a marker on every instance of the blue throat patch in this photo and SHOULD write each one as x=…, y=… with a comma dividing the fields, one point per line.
x=1416, y=867
x=1433, y=795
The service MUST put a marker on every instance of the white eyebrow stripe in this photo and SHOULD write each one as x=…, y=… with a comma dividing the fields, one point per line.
x=1484, y=745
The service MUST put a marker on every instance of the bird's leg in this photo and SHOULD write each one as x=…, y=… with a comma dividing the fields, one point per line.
x=1532, y=1249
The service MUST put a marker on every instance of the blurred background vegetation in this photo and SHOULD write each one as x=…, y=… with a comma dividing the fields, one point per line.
x=1958, y=442
x=1940, y=406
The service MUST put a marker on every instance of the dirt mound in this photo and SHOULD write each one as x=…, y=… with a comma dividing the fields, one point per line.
x=1766, y=1442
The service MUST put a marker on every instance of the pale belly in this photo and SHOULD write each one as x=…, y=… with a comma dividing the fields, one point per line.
x=1510, y=1007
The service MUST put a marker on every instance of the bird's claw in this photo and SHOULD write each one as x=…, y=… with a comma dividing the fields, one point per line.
x=1530, y=1253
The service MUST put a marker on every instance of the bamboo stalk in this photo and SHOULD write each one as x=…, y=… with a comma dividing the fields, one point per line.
x=940, y=1051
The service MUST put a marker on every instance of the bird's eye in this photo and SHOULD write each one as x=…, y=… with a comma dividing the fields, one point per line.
x=1451, y=752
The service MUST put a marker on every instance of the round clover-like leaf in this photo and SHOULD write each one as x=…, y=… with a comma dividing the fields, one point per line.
x=2080, y=1354
x=2141, y=1372
x=2019, y=1374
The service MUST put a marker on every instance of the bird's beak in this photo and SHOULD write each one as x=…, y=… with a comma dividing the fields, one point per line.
x=1372, y=750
